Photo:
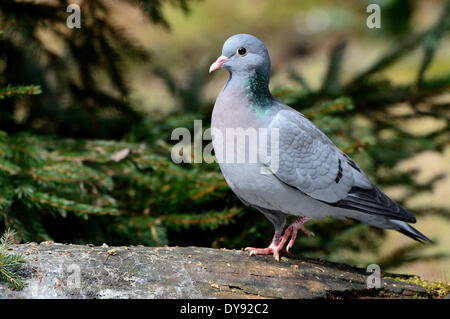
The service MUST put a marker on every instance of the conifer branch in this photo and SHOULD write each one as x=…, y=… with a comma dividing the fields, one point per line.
x=9, y=261
x=11, y=91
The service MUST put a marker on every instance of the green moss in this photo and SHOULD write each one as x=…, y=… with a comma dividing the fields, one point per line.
x=436, y=288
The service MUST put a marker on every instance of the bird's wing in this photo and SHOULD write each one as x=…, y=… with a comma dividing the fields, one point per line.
x=310, y=162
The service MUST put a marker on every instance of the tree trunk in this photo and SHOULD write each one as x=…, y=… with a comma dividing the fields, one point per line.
x=74, y=271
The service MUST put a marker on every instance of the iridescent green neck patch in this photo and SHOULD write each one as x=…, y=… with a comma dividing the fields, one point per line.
x=257, y=90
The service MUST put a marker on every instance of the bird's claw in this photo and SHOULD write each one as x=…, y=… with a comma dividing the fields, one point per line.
x=277, y=245
x=271, y=250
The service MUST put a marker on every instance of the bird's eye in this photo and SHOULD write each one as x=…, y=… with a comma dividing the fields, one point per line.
x=241, y=51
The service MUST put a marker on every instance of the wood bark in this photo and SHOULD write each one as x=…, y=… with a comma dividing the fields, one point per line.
x=74, y=271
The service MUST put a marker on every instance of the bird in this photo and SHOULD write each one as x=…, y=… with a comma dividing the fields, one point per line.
x=313, y=178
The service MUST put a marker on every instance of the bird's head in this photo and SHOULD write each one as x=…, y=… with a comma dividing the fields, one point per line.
x=243, y=54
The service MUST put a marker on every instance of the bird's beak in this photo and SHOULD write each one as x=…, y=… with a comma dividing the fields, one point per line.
x=218, y=64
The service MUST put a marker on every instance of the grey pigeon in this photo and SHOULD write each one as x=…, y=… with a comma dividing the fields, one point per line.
x=313, y=179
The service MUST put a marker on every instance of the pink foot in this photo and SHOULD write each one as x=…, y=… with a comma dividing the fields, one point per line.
x=292, y=231
x=273, y=249
x=276, y=247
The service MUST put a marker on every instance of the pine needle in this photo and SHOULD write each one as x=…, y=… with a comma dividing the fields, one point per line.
x=9, y=261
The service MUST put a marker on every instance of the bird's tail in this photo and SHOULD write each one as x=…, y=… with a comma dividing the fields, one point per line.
x=408, y=230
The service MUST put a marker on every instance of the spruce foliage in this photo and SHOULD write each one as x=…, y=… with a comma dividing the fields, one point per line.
x=9, y=262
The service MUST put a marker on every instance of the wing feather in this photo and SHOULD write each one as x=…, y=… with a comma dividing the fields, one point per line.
x=310, y=162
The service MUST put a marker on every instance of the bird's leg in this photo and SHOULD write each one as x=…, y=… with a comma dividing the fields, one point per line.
x=274, y=247
x=292, y=230
x=278, y=241
x=278, y=220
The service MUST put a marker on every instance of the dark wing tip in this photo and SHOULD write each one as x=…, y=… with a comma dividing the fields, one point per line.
x=374, y=201
x=413, y=233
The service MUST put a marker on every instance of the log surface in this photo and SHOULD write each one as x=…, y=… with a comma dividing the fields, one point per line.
x=75, y=271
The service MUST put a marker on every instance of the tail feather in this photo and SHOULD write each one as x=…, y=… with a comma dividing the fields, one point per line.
x=410, y=231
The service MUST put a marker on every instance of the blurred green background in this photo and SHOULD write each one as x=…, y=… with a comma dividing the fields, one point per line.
x=86, y=116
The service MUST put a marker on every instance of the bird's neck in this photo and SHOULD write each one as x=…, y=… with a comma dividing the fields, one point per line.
x=255, y=88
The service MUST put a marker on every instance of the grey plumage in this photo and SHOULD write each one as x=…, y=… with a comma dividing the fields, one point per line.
x=314, y=178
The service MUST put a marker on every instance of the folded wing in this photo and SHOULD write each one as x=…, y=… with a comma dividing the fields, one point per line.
x=310, y=162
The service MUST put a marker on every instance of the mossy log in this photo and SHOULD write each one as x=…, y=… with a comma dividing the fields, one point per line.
x=75, y=271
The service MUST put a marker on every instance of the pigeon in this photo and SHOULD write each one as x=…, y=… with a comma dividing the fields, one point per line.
x=313, y=178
